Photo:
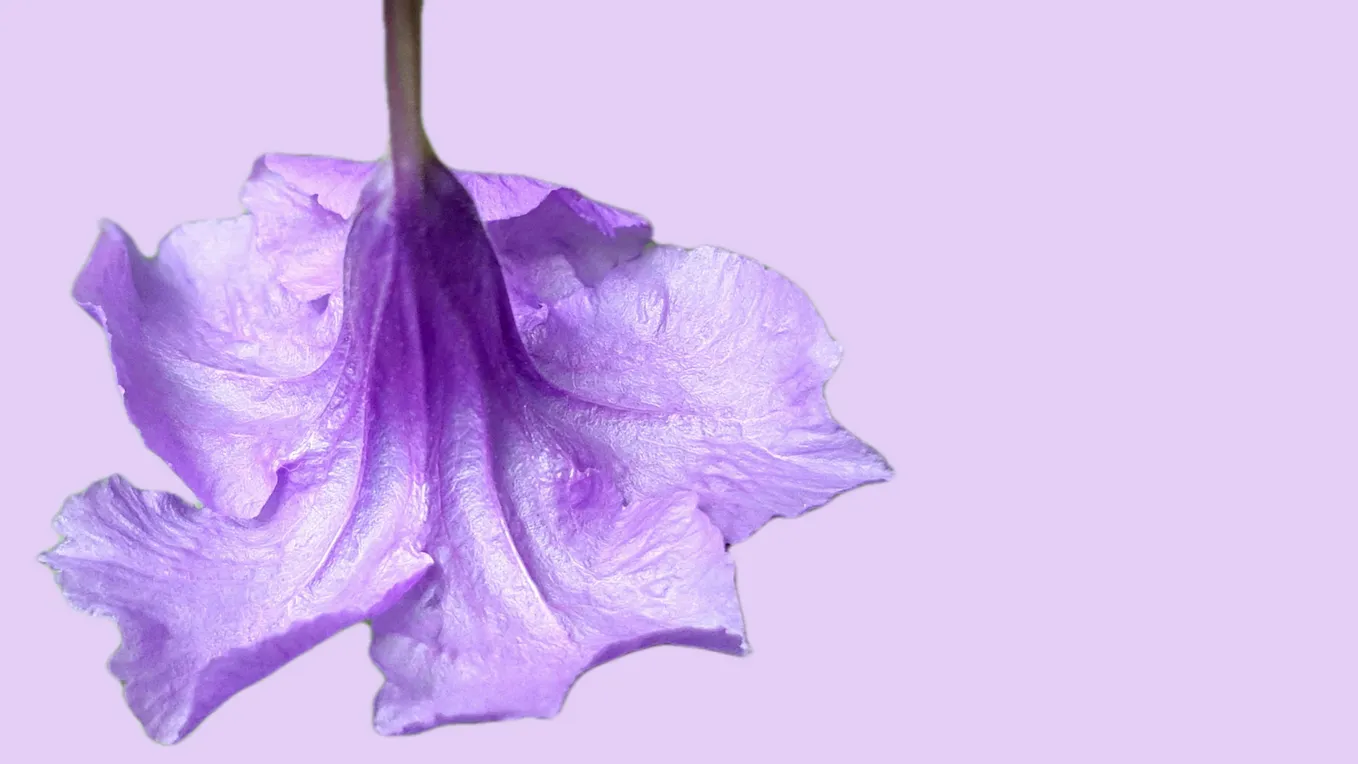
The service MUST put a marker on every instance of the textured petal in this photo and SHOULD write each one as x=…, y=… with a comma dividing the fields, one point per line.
x=220, y=342
x=208, y=605
x=337, y=184
x=562, y=244
x=224, y=369
x=209, y=602
x=541, y=569
x=706, y=369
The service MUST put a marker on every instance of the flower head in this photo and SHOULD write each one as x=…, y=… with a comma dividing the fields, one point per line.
x=483, y=412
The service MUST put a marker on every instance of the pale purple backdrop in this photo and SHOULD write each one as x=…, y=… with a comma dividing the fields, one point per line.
x=1093, y=266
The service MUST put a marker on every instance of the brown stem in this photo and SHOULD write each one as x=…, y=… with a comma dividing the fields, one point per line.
x=410, y=148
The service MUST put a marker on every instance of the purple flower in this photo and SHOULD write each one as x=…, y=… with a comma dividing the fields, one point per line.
x=481, y=411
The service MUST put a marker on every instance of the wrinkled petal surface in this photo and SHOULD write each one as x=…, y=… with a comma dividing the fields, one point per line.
x=706, y=369
x=315, y=478
x=495, y=419
x=542, y=568
x=208, y=605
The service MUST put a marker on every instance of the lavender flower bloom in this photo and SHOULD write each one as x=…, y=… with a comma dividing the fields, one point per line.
x=482, y=411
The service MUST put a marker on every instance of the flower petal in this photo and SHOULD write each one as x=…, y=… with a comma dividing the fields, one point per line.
x=210, y=602
x=539, y=581
x=705, y=368
x=224, y=368
x=542, y=570
x=207, y=604
x=336, y=184
x=560, y=245
x=220, y=341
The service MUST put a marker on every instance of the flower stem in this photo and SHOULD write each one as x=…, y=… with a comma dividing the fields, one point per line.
x=410, y=148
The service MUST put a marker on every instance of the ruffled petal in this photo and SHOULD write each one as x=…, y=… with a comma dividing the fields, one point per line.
x=225, y=369
x=221, y=341
x=562, y=244
x=542, y=569
x=336, y=184
x=206, y=604
x=701, y=369
x=209, y=602
x=541, y=580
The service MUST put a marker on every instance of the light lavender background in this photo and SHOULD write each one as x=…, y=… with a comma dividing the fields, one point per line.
x=1093, y=265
